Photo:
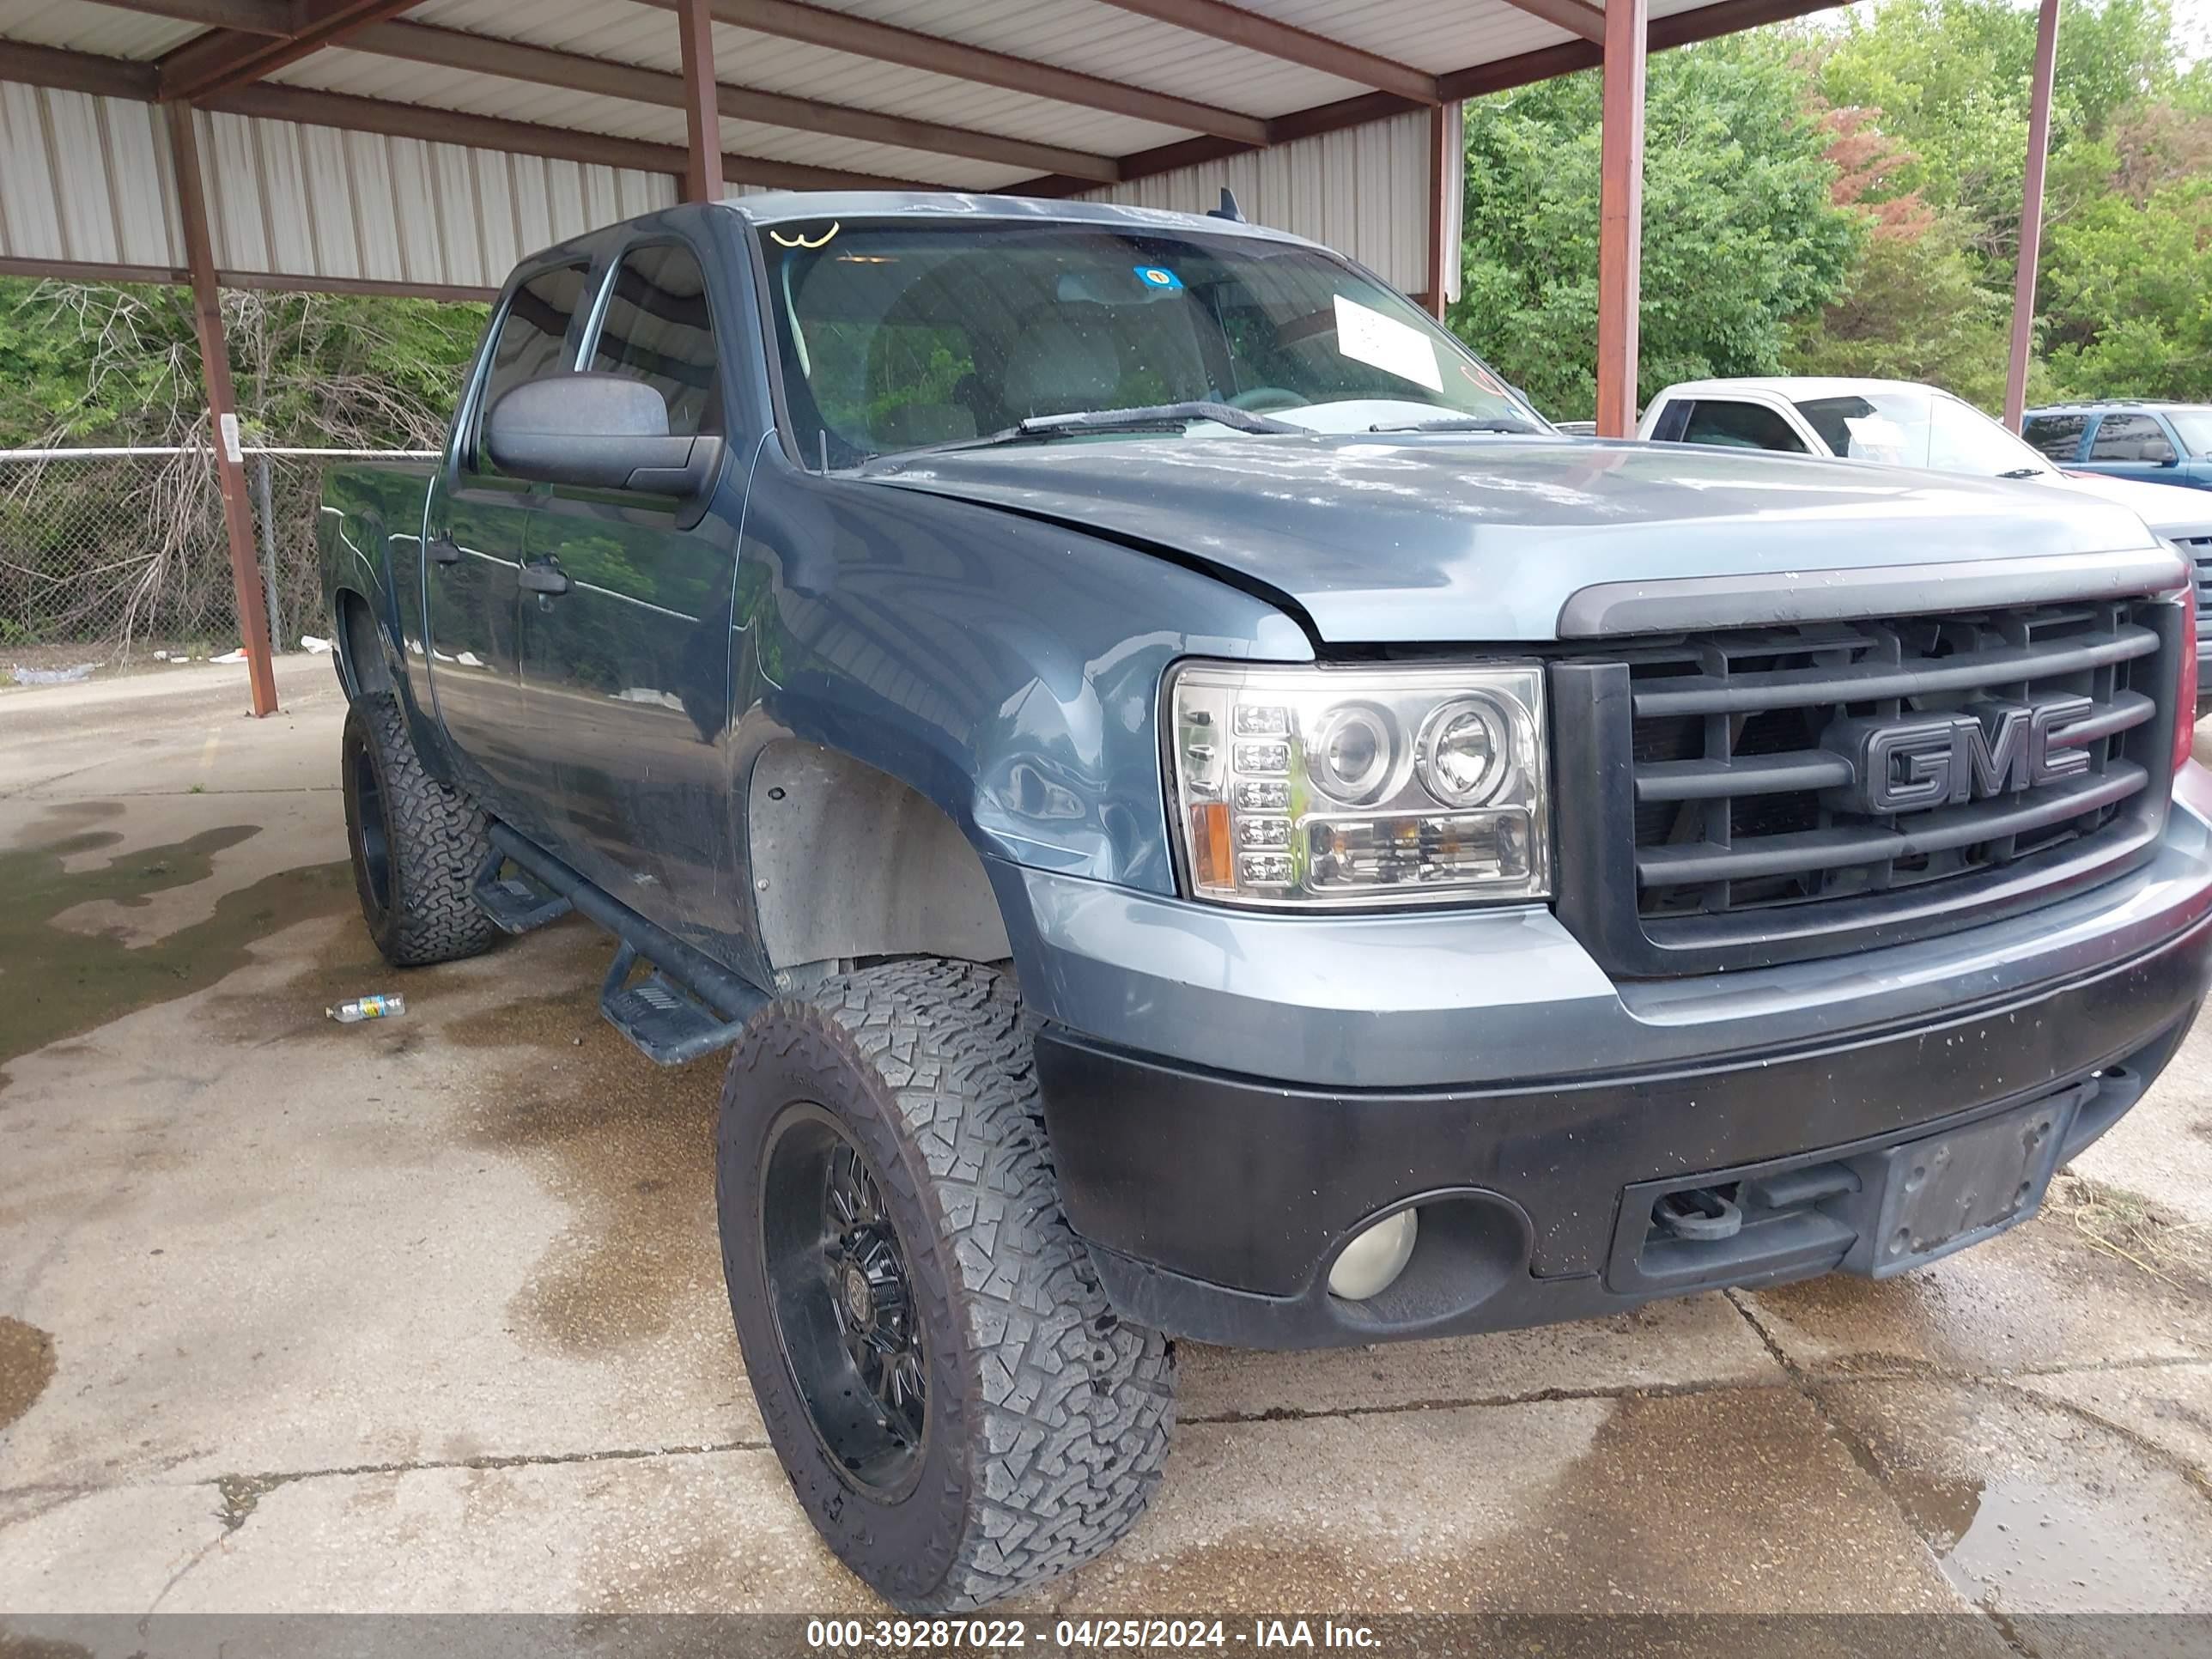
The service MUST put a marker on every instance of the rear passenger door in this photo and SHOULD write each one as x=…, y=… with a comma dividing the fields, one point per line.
x=627, y=671
x=478, y=532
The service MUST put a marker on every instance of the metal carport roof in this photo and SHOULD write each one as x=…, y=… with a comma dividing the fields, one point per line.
x=422, y=146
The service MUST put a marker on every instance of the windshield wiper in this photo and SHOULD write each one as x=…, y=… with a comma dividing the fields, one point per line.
x=1146, y=417
x=1464, y=423
x=2022, y=472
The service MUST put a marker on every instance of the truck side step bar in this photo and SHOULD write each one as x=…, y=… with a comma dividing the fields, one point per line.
x=668, y=1024
x=687, y=1006
x=516, y=904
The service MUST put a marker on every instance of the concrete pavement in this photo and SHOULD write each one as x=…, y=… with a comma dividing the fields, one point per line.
x=428, y=1315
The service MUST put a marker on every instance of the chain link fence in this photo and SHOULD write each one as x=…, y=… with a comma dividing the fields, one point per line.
x=108, y=555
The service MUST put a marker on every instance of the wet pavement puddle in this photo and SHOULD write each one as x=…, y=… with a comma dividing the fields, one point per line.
x=627, y=1143
x=2015, y=1531
x=56, y=982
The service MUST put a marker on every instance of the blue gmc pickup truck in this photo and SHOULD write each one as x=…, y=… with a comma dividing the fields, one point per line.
x=1193, y=812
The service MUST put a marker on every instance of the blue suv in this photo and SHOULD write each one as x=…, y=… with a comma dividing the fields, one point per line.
x=2158, y=443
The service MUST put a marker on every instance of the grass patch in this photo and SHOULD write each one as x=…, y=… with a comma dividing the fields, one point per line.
x=2130, y=1228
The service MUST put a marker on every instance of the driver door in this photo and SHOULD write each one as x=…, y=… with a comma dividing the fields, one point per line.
x=626, y=668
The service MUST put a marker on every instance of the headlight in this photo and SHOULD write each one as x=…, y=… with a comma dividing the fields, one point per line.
x=1357, y=789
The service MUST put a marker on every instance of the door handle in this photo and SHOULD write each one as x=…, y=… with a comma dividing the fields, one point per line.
x=445, y=551
x=547, y=579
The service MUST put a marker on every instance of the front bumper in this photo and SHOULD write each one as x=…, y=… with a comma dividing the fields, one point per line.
x=1227, y=1109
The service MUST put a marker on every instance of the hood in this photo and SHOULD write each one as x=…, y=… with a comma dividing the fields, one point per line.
x=1430, y=540
x=2180, y=514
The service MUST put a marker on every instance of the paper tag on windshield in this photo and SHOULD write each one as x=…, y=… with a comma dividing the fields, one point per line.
x=1875, y=433
x=1397, y=348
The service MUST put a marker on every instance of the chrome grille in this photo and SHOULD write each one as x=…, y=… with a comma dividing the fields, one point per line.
x=1744, y=836
x=2197, y=550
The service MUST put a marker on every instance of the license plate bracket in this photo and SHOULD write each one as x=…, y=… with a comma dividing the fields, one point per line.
x=1945, y=1192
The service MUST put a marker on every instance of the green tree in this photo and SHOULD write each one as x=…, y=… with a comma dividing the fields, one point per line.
x=1739, y=234
x=1951, y=79
x=2127, y=294
x=1915, y=307
x=85, y=363
x=1913, y=311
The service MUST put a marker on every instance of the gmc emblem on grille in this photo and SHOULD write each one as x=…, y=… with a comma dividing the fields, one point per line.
x=1988, y=748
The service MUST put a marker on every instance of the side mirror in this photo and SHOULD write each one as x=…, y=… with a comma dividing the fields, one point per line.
x=2164, y=455
x=599, y=432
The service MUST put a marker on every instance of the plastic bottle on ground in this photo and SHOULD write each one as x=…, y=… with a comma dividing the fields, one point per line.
x=361, y=1008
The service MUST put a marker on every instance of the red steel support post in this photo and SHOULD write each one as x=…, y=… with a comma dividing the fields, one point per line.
x=702, y=120
x=222, y=408
x=1444, y=175
x=1621, y=216
x=2031, y=214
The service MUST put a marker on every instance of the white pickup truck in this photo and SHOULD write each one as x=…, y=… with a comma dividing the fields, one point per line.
x=1901, y=422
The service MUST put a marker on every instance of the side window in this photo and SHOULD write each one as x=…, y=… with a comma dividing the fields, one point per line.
x=657, y=330
x=2129, y=438
x=1734, y=425
x=532, y=338
x=2059, y=436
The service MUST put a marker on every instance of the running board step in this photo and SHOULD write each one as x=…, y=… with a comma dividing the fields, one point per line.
x=668, y=1023
x=516, y=904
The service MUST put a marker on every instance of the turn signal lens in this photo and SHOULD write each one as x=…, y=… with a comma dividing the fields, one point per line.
x=1209, y=843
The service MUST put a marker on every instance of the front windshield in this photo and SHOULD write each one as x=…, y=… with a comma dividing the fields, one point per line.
x=898, y=335
x=2195, y=427
x=1908, y=426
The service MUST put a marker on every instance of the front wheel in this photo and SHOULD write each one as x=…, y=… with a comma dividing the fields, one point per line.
x=961, y=1413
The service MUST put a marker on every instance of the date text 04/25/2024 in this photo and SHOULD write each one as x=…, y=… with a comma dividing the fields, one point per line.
x=925, y=1635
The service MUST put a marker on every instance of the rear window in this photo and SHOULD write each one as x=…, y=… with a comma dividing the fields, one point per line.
x=2059, y=436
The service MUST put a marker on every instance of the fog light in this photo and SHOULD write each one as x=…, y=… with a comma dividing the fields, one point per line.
x=1370, y=1264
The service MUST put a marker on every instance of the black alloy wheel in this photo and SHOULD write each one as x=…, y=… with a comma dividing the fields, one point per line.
x=841, y=1293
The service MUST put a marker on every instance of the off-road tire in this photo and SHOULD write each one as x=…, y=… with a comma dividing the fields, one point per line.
x=433, y=842
x=1048, y=1418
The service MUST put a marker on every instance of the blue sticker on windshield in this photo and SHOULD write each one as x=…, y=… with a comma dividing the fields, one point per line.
x=1157, y=276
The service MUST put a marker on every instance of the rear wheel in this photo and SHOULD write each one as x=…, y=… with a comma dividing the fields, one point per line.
x=417, y=844
x=960, y=1412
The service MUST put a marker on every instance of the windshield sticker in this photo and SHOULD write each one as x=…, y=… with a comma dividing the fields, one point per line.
x=1873, y=434
x=1157, y=276
x=1397, y=348
x=799, y=238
